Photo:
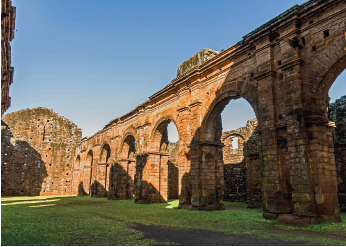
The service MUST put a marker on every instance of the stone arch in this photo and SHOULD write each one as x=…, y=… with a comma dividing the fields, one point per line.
x=211, y=128
x=105, y=153
x=159, y=135
x=76, y=179
x=317, y=102
x=232, y=134
x=330, y=76
x=77, y=162
x=128, y=146
x=325, y=68
x=125, y=168
x=88, y=172
x=100, y=186
x=210, y=149
x=163, y=161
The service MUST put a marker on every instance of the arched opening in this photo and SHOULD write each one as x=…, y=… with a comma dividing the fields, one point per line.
x=87, y=178
x=164, y=160
x=127, y=168
x=337, y=118
x=173, y=161
x=223, y=171
x=77, y=187
x=240, y=153
x=104, y=169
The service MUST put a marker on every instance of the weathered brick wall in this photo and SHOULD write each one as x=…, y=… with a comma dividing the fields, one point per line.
x=337, y=114
x=235, y=163
x=8, y=16
x=37, y=149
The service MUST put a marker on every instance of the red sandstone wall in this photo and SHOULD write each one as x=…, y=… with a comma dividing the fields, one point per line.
x=37, y=149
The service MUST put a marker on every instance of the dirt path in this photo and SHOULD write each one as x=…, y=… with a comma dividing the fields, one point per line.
x=198, y=237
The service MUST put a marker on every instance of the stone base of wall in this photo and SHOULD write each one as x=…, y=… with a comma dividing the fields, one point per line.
x=235, y=182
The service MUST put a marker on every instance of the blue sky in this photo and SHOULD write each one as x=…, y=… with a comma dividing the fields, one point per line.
x=93, y=61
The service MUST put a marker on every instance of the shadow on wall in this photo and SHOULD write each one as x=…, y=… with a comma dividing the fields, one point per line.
x=81, y=190
x=121, y=185
x=145, y=190
x=22, y=170
x=173, y=180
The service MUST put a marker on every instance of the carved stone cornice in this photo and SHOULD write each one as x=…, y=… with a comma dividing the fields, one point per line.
x=143, y=126
x=195, y=104
x=291, y=64
x=185, y=108
x=265, y=75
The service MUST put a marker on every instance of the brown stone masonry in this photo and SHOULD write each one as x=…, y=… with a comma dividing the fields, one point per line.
x=8, y=16
x=37, y=149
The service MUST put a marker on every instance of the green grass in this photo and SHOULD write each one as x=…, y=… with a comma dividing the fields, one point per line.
x=83, y=220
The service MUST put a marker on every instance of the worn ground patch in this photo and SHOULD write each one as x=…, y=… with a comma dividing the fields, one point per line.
x=197, y=237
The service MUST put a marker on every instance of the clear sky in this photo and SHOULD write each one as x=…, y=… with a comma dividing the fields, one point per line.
x=93, y=61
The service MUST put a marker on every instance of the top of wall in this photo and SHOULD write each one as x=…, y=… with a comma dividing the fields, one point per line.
x=197, y=59
x=28, y=114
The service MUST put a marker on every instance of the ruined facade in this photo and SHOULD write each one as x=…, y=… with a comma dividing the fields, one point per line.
x=284, y=69
x=37, y=152
x=8, y=16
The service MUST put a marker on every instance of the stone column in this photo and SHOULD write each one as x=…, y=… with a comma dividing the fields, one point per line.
x=122, y=181
x=272, y=195
x=164, y=177
x=311, y=158
x=154, y=177
x=219, y=175
x=184, y=162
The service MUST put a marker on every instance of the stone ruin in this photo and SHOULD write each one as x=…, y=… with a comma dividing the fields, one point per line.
x=37, y=152
x=284, y=69
x=198, y=59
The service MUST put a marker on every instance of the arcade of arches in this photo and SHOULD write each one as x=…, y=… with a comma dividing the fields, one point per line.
x=284, y=70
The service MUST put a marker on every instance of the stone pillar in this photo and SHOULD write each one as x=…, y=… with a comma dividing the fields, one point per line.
x=272, y=195
x=184, y=158
x=207, y=177
x=154, y=177
x=311, y=158
x=219, y=175
x=122, y=181
x=131, y=178
x=163, y=177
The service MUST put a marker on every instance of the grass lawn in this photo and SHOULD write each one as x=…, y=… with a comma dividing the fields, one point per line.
x=83, y=220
